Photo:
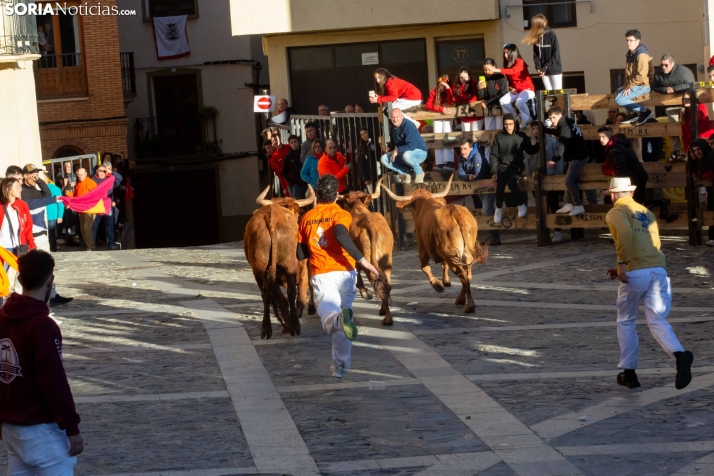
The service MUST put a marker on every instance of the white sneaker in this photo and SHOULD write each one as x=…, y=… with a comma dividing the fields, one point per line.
x=70, y=233
x=525, y=125
x=405, y=178
x=419, y=178
x=710, y=243
x=565, y=209
x=557, y=237
x=498, y=216
x=522, y=210
x=577, y=211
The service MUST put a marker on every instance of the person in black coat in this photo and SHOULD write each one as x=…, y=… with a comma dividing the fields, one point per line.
x=291, y=169
x=672, y=77
x=546, y=52
x=622, y=161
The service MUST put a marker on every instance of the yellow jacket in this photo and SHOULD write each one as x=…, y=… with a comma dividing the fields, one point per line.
x=634, y=229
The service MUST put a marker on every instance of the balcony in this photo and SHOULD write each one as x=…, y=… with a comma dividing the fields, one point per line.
x=128, y=76
x=61, y=76
x=18, y=33
x=175, y=136
x=249, y=17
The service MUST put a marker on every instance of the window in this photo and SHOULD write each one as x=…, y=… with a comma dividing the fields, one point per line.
x=559, y=16
x=617, y=79
x=452, y=55
x=168, y=8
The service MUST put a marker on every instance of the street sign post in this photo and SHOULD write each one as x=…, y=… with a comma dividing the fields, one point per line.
x=264, y=103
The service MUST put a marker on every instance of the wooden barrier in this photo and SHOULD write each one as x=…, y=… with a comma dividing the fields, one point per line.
x=606, y=101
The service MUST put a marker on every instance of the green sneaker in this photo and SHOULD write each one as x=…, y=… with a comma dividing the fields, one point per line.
x=348, y=324
x=338, y=372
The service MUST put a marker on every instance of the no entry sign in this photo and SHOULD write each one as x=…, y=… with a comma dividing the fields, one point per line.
x=264, y=103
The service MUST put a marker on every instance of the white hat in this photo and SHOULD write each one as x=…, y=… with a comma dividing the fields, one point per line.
x=621, y=184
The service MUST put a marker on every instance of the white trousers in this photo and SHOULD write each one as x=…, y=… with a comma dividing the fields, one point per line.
x=553, y=81
x=654, y=286
x=472, y=126
x=491, y=123
x=37, y=450
x=443, y=156
x=335, y=291
x=521, y=101
x=43, y=243
x=403, y=104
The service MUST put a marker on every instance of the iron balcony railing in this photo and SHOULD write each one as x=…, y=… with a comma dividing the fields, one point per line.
x=61, y=76
x=128, y=75
x=18, y=33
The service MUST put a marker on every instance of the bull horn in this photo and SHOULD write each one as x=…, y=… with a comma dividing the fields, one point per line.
x=446, y=191
x=378, y=192
x=303, y=202
x=396, y=197
x=261, y=198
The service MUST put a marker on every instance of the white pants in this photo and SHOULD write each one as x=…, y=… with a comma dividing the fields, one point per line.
x=443, y=155
x=403, y=104
x=521, y=100
x=43, y=243
x=553, y=81
x=491, y=123
x=37, y=450
x=335, y=291
x=654, y=286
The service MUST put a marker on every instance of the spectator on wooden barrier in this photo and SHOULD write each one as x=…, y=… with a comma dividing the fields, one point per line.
x=576, y=154
x=522, y=90
x=546, y=52
x=309, y=171
x=323, y=110
x=672, y=77
x=441, y=99
x=490, y=89
x=639, y=70
x=292, y=168
x=710, y=72
x=474, y=167
x=507, y=163
x=611, y=116
x=390, y=89
x=619, y=117
x=465, y=92
x=703, y=125
x=277, y=159
x=593, y=150
x=334, y=163
x=621, y=161
x=366, y=159
x=703, y=155
x=409, y=149
x=310, y=134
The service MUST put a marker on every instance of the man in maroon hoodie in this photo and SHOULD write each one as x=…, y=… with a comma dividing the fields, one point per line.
x=40, y=425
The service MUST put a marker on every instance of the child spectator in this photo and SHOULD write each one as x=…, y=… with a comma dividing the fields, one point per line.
x=441, y=100
x=546, y=52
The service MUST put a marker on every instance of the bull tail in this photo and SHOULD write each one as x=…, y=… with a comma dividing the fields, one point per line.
x=270, y=282
x=380, y=285
x=481, y=253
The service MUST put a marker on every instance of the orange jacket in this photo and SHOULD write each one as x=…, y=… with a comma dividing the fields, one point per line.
x=335, y=166
x=84, y=187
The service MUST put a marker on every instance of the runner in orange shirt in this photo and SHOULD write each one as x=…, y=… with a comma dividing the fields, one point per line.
x=324, y=238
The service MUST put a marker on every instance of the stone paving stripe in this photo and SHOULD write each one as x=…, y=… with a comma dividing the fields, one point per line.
x=452, y=464
x=578, y=374
x=482, y=414
x=265, y=421
x=637, y=448
x=703, y=466
x=438, y=464
x=344, y=385
x=147, y=397
x=194, y=472
x=137, y=348
x=578, y=287
x=564, y=424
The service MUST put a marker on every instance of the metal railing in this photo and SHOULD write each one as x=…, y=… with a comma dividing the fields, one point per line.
x=18, y=33
x=60, y=76
x=128, y=75
x=170, y=137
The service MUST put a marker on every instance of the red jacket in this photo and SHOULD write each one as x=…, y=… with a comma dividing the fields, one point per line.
x=465, y=93
x=518, y=76
x=34, y=387
x=399, y=89
x=705, y=127
x=276, y=162
x=447, y=99
x=335, y=166
x=25, y=231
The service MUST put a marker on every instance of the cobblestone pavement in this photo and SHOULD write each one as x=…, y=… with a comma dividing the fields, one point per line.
x=164, y=356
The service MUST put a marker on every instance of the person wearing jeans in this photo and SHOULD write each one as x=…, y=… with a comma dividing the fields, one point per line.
x=639, y=70
x=409, y=149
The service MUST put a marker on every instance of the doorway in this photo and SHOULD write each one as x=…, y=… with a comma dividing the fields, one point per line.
x=177, y=122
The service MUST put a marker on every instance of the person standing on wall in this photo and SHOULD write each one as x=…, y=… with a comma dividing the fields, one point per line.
x=521, y=85
x=441, y=99
x=390, y=89
x=546, y=52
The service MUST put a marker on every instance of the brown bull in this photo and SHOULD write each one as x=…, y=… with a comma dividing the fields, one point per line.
x=371, y=234
x=270, y=242
x=447, y=235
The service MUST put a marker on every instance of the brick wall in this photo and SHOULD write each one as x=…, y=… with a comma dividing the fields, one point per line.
x=100, y=45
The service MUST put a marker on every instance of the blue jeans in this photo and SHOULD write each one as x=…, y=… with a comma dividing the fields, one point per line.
x=297, y=191
x=625, y=102
x=108, y=221
x=405, y=162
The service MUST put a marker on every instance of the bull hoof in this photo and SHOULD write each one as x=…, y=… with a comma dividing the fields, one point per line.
x=470, y=308
x=266, y=332
x=311, y=310
x=365, y=294
x=460, y=301
x=387, y=321
x=296, y=326
x=438, y=286
x=285, y=330
x=447, y=284
x=298, y=313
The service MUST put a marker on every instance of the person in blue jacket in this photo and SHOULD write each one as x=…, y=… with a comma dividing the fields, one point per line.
x=309, y=169
x=409, y=149
x=55, y=212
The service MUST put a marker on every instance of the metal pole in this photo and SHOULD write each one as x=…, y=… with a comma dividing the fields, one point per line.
x=542, y=232
x=692, y=194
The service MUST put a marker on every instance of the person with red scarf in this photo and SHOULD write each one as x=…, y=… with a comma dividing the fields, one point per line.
x=334, y=163
x=621, y=161
x=277, y=160
x=520, y=82
x=703, y=125
x=441, y=99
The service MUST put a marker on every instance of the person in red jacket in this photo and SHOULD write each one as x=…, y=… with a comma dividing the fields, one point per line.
x=441, y=99
x=390, y=89
x=520, y=82
x=277, y=160
x=334, y=163
x=15, y=224
x=40, y=425
x=465, y=92
x=703, y=125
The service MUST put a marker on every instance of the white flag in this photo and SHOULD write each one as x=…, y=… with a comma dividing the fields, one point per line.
x=171, y=37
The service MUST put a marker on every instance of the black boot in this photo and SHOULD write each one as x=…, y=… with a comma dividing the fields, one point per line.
x=628, y=379
x=684, y=369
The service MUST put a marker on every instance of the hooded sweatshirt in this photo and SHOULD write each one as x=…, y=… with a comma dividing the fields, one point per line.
x=570, y=135
x=496, y=88
x=335, y=166
x=623, y=159
x=33, y=384
x=508, y=149
x=639, y=68
x=546, y=54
